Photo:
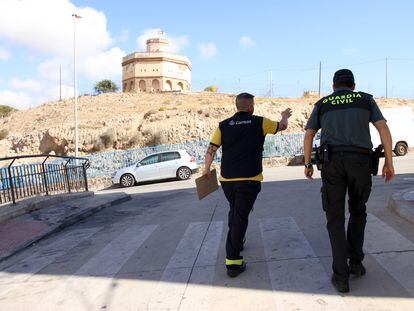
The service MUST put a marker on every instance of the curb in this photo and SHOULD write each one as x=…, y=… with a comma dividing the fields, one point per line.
x=68, y=222
x=11, y=211
x=402, y=206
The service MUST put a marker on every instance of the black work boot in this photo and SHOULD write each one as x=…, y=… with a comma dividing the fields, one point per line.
x=340, y=284
x=356, y=268
x=235, y=267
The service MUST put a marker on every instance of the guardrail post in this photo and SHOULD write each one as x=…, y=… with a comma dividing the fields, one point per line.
x=44, y=175
x=84, y=176
x=11, y=182
x=67, y=174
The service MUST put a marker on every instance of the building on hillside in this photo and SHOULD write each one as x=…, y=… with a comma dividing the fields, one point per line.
x=156, y=70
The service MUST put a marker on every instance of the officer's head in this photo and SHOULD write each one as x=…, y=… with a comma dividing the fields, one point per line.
x=245, y=102
x=343, y=78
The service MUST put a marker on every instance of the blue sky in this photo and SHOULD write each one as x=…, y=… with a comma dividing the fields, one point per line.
x=232, y=44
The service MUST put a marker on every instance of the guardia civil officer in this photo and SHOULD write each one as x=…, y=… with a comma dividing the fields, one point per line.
x=344, y=118
x=241, y=137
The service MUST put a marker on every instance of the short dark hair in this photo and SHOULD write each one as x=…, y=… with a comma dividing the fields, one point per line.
x=241, y=100
x=244, y=96
x=343, y=78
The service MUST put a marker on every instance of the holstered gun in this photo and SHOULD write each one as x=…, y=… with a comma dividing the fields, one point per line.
x=322, y=155
x=375, y=156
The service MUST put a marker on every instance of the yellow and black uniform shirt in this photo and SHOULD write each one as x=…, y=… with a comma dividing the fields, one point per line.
x=241, y=138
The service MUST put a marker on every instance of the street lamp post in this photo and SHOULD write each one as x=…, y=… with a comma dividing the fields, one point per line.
x=75, y=95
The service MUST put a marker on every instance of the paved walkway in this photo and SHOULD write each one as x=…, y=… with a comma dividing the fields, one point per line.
x=164, y=250
x=52, y=214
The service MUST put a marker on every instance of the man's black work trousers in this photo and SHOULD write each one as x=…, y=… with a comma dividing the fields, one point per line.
x=346, y=172
x=241, y=196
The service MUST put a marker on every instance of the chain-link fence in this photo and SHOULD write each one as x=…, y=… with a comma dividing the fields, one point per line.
x=107, y=163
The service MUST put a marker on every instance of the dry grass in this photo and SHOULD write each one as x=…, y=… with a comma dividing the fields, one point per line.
x=180, y=117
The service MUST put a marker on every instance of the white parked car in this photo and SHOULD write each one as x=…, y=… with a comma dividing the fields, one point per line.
x=170, y=164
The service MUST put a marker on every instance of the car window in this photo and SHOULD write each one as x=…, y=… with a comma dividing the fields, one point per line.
x=169, y=156
x=150, y=160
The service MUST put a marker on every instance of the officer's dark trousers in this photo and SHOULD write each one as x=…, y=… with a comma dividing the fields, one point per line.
x=241, y=196
x=346, y=172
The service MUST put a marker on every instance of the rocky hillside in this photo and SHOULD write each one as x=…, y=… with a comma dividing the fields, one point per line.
x=120, y=121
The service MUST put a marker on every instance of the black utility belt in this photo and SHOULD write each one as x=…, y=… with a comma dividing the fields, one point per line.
x=352, y=149
x=324, y=152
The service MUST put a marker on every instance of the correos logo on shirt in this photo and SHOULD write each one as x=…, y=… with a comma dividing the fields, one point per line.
x=232, y=122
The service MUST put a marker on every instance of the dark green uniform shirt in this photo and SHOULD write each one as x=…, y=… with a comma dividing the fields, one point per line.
x=344, y=118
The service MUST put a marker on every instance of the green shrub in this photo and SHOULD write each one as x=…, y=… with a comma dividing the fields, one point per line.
x=108, y=138
x=136, y=140
x=211, y=88
x=161, y=109
x=156, y=139
x=105, y=86
x=6, y=111
x=98, y=146
x=3, y=134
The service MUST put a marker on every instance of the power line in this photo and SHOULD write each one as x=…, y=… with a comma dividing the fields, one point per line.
x=401, y=59
x=240, y=82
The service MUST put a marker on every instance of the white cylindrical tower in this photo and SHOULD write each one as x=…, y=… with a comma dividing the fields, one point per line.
x=157, y=45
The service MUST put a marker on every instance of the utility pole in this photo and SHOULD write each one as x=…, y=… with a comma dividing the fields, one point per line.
x=386, y=77
x=320, y=78
x=271, y=84
x=75, y=95
x=60, y=82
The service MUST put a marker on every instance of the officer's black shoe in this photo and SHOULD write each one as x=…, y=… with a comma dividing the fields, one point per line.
x=341, y=285
x=356, y=268
x=235, y=270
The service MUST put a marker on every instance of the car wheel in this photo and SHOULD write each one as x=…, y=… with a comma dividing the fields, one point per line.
x=127, y=180
x=400, y=149
x=183, y=173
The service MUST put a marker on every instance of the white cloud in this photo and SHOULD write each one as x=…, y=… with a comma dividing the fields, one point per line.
x=207, y=50
x=33, y=97
x=4, y=54
x=103, y=65
x=28, y=85
x=123, y=36
x=17, y=100
x=50, y=69
x=246, y=42
x=47, y=26
x=177, y=43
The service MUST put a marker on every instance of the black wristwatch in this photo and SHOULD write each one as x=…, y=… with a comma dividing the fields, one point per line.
x=308, y=165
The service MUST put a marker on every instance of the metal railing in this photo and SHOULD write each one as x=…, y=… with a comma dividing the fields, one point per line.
x=63, y=174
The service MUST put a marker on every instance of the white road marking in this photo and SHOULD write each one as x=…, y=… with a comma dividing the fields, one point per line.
x=90, y=287
x=303, y=272
x=200, y=287
x=12, y=277
x=173, y=284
